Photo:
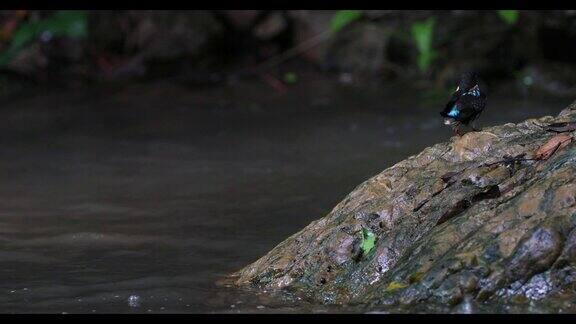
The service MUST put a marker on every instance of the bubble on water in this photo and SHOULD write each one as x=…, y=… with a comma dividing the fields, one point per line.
x=134, y=301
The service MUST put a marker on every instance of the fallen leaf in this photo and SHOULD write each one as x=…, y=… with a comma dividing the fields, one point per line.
x=554, y=144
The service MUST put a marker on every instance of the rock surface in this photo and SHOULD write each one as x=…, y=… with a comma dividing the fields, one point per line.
x=461, y=221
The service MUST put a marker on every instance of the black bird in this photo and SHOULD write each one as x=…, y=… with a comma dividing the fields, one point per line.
x=466, y=104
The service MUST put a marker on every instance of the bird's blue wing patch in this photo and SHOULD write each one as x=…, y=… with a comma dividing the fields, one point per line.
x=454, y=111
x=474, y=92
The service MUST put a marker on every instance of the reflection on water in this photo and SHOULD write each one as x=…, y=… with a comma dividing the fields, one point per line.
x=139, y=199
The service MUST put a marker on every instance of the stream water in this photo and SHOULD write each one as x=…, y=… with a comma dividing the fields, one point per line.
x=138, y=198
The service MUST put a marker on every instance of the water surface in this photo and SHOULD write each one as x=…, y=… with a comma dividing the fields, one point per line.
x=138, y=198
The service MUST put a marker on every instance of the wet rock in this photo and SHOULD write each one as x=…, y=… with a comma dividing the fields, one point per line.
x=473, y=144
x=473, y=220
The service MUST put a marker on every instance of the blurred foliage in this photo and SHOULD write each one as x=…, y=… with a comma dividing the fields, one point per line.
x=425, y=45
x=342, y=18
x=423, y=33
x=70, y=23
x=290, y=78
x=509, y=16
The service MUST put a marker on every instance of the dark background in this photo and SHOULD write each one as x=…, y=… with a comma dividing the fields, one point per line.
x=535, y=49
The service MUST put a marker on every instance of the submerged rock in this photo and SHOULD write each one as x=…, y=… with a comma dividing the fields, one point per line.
x=472, y=220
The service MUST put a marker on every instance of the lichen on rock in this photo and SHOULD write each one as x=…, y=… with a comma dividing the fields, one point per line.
x=480, y=217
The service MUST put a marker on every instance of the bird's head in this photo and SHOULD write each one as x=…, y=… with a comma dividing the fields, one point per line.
x=468, y=81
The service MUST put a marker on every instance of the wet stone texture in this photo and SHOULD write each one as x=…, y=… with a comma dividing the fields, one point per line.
x=461, y=222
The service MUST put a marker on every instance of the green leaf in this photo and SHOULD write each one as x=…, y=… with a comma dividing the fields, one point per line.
x=423, y=34
x=368, y=240
x=70, y=23
x=509, y=16
x=342, y=18
x=21, y=37
x=290, y=78
x=425, y=60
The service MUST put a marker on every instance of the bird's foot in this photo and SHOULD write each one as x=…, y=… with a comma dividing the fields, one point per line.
x=474, y=127
x=457, y=132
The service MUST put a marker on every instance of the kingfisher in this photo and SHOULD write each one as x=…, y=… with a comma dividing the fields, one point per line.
x=466, y=104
